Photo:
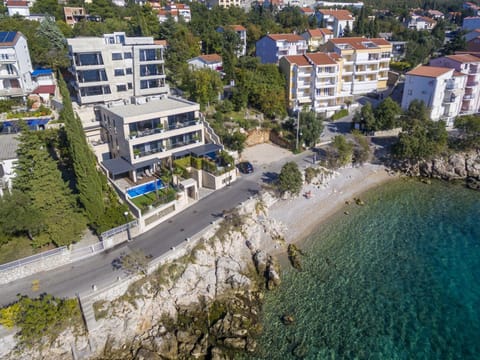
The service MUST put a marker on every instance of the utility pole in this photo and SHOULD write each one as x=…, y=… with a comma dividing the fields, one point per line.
x=298, y=124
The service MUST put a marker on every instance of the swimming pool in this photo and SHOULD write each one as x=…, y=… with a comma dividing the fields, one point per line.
x=144, y=188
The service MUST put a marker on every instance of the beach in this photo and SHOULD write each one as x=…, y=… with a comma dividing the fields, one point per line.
x=302, y=215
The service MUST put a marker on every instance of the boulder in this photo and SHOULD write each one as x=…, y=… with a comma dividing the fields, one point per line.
x=235, y=343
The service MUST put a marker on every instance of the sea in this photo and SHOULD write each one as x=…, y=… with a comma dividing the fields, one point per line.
x=396, y=278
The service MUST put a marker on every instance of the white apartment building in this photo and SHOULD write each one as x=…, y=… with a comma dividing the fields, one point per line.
x=470, y=66
x=142, y=135
x=440, y=88
x=272, y=47
x=15, y=65
x=314, y=81
x=336, y=20
x=226, y=3
x=366, y=63
x=116, y=67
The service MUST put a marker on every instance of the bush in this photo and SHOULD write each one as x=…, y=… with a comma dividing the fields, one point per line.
x=290, y=179
x=45, y=316
x=340, y=114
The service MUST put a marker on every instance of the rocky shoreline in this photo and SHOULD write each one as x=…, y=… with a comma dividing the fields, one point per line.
x=458, y=166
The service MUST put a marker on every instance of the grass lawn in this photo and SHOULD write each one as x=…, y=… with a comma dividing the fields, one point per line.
x=164, y=196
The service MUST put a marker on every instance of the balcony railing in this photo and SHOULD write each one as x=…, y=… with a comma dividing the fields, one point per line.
x=148, y=132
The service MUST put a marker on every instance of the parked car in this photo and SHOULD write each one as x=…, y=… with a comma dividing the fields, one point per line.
x=245, y=167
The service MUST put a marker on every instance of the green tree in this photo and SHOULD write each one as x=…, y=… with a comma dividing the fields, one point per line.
x=235, y=141
x=39, y=178
x=361, y=151
x=290, y=179
x=311, y=127
x=342, y=151
x=203, y=86
x=386, y=114
x=365, y=117
x=469, y=127
x=49, y=36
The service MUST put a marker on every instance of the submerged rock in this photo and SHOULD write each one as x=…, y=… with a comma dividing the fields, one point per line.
x=294, y=254
x=288, y=319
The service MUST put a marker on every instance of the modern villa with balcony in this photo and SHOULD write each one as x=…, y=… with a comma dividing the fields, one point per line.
x=115, y=67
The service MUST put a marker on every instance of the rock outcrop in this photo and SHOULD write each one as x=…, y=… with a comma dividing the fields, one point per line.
x=203, y=305
x=458, y=166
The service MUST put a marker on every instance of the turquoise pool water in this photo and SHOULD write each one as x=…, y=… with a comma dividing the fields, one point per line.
x=397, y=279
x=145, y=188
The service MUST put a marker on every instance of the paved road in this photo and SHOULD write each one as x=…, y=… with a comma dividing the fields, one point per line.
x=99, y=270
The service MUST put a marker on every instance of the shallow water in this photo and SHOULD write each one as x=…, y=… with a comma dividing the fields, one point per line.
x=399, y=278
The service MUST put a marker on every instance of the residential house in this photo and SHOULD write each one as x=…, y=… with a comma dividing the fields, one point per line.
x=440, y=88
x=142, y=136
x=335, y=20
x=418, y=22
x=317, y=37
x=366, y=63
x=307, y=11
x=74, y=15
x=8, y=160
x=471, y=23
x=435, y=14
x=242, y=34
x=399, y=48
x=314, y=81
x=470, y=66
x=226, y=3
x=330, y=4
x=44, y=80
x=18, y=7
x=472, y=6
x=15, y=65
x=211, y=61
x=175, y=11
x=272, y=47
x=116, y=67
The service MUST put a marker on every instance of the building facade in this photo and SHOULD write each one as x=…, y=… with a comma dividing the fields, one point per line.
x=366, y=63
x=470, y=66
x=15, y=65
x=440, y=88
x=212, y=62
x=242, y=35
x=314, y=82
x=116, y=67
x=142, y=135
x=335, y=20
x=176, y=11
x=471, y=23
x=271, y=48
x=317, y=37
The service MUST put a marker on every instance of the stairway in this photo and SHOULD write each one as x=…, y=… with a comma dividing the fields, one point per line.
x=210, y=135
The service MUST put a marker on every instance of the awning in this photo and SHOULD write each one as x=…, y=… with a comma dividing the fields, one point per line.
x=181, y=154
x=38, y=72
x=205, y=149
x=117, y=166
x=145, y=163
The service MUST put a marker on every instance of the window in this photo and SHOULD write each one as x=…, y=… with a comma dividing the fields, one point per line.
x=119, y=72
x=127, y=55
x=88, y=59
x=117, y=56
x=95, y=90
x=129, y=71
x=130, y=86
x=121, y=88
x=91, y=76
x=154, y=83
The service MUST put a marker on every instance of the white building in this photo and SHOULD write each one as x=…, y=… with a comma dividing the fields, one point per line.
x=8, y=160
x=336, y=20
x=15, y=65
x=226, y=3
x=211, y=61
x=176, y=11
x=314, y=81
x=141, y=135
x=366, y=63
x=470, y=66
x=116, y=67
x=272, y=47
x=17, y=7
x=417, y=22
x=242, y=34
x=440, y=88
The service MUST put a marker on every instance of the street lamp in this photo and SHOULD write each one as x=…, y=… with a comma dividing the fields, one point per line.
x=298, y=123
x=129, y=237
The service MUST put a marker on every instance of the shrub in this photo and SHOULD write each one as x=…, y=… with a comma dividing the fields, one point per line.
x=340, y=114
x=290, y=179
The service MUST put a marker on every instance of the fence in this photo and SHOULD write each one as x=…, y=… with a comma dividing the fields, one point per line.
x=33, y=258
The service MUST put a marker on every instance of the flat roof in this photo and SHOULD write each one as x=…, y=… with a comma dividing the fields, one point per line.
x=8, y=146
x=151, y=107
x=117, y=166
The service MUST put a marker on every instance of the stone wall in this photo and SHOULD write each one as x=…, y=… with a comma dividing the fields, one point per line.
x=258, y=136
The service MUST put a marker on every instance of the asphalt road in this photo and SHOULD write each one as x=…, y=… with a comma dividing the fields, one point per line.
x=100, y=270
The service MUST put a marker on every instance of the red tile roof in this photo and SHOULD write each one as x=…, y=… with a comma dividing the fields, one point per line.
x=211, y=58
x=17, y=3
x=463, y=58
x=286, y=37
x=238, y=28
x=458, y=73
x=45, y=89
x=339, y=14
x=322, y=58
x=300, y=60
x=320, y=32
x=429, y=71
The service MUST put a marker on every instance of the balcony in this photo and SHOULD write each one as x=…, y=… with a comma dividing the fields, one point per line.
x=160, y=130
x=7, y=59
x=321, y=84
x=468, y=97
x=472, y=83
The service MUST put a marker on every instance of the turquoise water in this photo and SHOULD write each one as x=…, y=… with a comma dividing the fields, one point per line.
x=399, y=278
x=145, y=188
